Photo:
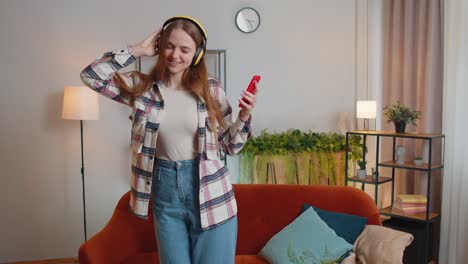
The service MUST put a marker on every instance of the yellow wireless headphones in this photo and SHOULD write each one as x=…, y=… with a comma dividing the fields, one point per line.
x=202, y=48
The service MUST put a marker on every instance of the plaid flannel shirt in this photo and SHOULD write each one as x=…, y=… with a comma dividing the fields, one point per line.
x=217, y=201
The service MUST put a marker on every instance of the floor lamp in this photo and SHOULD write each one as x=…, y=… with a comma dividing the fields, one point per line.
x=80, y=103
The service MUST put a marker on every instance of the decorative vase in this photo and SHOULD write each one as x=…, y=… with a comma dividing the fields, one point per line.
x=400, y=152
x=400, y=127
x=361, y=174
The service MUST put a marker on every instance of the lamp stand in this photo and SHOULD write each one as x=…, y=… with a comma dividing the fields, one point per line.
x=83, y=180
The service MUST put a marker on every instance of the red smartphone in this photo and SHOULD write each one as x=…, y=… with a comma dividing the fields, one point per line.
x=251, y=87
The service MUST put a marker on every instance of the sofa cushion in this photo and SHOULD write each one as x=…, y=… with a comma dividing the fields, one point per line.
x=308, y=238
x=152, y=258
x=346, y=226
x=378, y=244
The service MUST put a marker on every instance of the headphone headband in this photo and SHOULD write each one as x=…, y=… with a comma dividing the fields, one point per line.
x=190, y=19
x=200, y=52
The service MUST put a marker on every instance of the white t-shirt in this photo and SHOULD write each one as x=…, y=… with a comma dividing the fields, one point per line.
x=177, y=135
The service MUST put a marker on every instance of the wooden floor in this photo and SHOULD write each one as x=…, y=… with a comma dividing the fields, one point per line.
x=50, y=261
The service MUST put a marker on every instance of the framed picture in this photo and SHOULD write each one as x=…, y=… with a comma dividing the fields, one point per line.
x=215, y=63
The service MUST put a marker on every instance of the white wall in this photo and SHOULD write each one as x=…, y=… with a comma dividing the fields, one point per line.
x=305, y=51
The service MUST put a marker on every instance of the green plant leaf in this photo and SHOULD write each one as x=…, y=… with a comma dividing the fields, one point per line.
x=401, y=113
x=295, y=141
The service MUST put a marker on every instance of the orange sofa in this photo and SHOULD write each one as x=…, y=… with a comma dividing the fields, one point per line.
x=263, y=210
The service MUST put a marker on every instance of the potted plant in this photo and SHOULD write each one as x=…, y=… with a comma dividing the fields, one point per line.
x=361, y=172
x=418, y=160
x=401, y=115
x=298, y=157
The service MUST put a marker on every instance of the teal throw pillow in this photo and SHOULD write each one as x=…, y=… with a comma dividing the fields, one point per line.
x=308, y=239
x=346, y=226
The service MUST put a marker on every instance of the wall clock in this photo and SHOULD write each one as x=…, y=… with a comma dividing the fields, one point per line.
x=247, y=20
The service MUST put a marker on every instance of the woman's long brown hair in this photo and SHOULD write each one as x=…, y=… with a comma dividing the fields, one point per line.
x=194, y=78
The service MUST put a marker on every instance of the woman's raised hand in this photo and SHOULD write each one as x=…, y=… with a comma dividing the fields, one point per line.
x=146, y=47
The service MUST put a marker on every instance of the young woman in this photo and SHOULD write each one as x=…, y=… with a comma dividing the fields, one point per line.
x=180, y=121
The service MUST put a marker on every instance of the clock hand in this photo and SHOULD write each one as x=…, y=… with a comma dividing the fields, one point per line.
x=250, y=23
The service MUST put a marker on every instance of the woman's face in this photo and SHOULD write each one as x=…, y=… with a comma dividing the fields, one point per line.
x=179, y=51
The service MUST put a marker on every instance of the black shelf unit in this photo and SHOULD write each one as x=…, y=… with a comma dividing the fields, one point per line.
x=426, y=218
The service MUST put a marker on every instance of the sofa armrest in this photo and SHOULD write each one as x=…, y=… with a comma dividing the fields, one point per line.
x=123, y=236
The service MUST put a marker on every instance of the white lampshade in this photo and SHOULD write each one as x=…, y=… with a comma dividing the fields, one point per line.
x=366, y=109
x=80, y=103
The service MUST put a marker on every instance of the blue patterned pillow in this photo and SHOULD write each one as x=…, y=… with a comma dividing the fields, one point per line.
x=308, y=239
x=346, y=226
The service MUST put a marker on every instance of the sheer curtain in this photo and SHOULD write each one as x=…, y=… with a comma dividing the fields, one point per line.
x=454, y=226
x=413, y=74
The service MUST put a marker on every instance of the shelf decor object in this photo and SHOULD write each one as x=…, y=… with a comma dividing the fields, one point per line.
x=361, y=172
x=366, y=110
x=401, y=115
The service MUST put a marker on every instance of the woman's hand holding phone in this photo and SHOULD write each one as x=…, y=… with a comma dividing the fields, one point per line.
x=248, y=98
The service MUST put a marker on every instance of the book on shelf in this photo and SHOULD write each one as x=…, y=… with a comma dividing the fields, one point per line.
x=409, y=205
x=409, y=208
x=401, y=205
x=411, y=199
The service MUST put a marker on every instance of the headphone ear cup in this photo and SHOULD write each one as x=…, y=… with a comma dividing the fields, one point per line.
x=202, y=53
x=198, y=56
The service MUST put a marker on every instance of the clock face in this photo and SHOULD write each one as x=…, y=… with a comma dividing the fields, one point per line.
x=247, y=20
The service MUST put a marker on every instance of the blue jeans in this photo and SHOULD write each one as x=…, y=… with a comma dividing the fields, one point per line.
x=176, y=212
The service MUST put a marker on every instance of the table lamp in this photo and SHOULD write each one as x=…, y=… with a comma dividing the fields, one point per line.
x=366, y=110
